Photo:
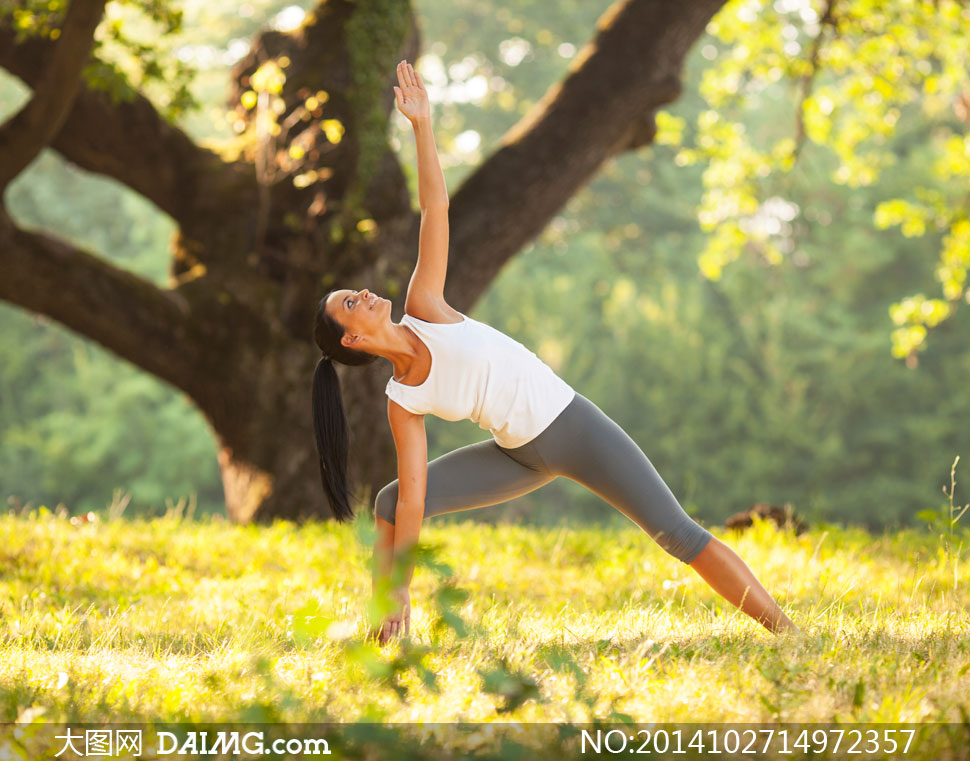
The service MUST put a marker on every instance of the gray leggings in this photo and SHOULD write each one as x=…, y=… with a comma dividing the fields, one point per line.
x=583, y=444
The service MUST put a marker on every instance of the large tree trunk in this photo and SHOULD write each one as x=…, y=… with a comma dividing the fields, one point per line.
x=266, y=447
x=256, y=249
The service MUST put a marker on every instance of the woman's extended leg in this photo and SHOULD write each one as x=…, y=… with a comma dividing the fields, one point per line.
x=584, y=444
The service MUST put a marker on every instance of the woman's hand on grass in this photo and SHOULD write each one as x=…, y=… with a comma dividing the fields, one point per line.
x=397, y=623
x=412, y=98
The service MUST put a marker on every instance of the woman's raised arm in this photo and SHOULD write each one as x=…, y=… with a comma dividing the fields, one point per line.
x=426, y=289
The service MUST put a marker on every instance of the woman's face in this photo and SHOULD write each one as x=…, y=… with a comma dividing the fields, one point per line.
x=360, y=313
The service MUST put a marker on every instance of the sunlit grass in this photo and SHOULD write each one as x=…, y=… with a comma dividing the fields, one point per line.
x=170, y=620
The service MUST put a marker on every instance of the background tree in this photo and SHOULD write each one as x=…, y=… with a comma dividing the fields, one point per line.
x=308, y=195
x=773, y=380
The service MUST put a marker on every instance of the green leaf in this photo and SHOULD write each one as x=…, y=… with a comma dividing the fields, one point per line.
x=859, y=694
x=516, y=687
x=772, y=708
x=309, y=623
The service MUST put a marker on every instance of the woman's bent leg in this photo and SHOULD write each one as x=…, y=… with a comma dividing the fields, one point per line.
x=474, y=476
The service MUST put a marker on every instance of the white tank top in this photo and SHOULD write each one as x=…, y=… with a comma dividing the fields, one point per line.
x=479, y=373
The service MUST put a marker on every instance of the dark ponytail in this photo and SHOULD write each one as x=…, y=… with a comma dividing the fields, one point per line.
x=329, y=420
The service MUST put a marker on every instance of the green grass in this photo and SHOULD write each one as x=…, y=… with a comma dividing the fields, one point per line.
x=177, y=620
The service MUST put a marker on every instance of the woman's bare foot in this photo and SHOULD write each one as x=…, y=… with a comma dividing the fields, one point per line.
x=728, y=575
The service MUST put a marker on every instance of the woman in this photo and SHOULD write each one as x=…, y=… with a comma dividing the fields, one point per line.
x=449, y=365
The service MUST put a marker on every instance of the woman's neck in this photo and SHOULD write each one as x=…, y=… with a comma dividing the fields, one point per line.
x=399, y=346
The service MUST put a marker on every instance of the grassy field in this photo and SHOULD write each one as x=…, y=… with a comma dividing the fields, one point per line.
x=181, y=620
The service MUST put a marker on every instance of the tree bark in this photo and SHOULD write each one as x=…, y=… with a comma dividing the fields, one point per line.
x=256, y=251
x=133, y=318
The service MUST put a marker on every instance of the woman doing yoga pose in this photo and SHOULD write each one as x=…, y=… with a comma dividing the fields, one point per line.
x=447, y=364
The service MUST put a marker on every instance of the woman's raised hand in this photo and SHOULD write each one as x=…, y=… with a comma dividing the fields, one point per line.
x=412, y=98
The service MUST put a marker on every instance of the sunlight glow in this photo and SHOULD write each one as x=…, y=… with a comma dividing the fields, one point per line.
x=289, y=18
x=468, y=141
x=514, y=50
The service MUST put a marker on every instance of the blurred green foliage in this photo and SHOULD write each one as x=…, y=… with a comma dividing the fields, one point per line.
x=853, y=75
x=724, y=295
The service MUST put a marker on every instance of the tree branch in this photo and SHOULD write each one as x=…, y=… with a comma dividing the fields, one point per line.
x=125, y=313
x=828, y=19
x=24, y=135
x=604, y=107
x=129, y=141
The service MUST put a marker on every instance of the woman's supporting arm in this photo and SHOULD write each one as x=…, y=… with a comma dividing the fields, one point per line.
x=411, y=442
x=399, y=619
